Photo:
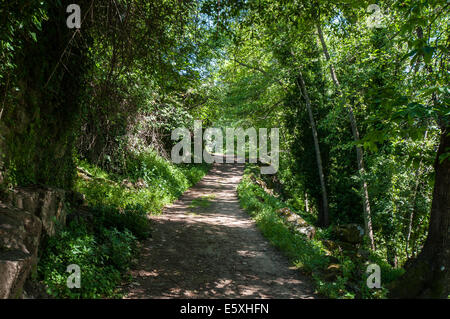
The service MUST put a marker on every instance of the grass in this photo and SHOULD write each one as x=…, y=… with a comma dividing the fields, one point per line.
x=203, y=201
x=310, y=256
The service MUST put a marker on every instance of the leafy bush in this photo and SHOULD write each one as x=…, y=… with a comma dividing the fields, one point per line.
x=100, y=256
x=118, y=247
x=133, y=220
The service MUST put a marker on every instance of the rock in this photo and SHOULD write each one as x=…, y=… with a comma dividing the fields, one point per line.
x=291, y=217
x=45, y=203
x=350, y=233
x=301, y=222
x=296, y=222
x=309, y=231
x=331, y=245
x=19, y=240
x=262, y=184
x=26, y=199
x=19, y=230
x=284, y=212
x=84, y=172
x=34, y=289
x=52, y=209
x=15, y=267
x=141, y=183
x=83, y=176
x=126, y=183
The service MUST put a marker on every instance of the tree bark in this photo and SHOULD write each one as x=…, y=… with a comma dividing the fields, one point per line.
x=413, y=213
x=427, y=276
x=416, y=190
x=359, y=152
x=306, y=202
x=324, y=216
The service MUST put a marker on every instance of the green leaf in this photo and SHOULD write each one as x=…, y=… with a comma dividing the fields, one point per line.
x=33, y=35
x=428, y=54
x=410, y=54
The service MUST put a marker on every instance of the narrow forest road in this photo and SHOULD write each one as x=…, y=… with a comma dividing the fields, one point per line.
x=205, y=246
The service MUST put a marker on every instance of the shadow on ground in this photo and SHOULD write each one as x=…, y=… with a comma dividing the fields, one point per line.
x=213, y=250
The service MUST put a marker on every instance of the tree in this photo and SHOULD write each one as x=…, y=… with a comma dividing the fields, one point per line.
x=323, y=217
x=359, y=152
x=427, y=276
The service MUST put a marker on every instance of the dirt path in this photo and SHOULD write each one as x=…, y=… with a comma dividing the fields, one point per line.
x=206, y=246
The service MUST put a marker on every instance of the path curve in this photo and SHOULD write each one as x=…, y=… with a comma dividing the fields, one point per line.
x=214, y=251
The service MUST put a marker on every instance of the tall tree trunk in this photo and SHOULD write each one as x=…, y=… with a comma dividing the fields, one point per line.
x=413, y=214
x=306, y=202
x=359, y=153
x=427, y=276
x=416, y=190
x=323, y=216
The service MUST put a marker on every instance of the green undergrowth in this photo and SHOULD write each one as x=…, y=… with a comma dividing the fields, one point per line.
x=203, y=201
x=164, y=182
x=103, y=238
x=309, y=255
x=103, y=246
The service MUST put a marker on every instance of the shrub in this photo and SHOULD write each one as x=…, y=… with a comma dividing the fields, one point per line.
x=75, y=245
x=102, y=252
x=131, y=219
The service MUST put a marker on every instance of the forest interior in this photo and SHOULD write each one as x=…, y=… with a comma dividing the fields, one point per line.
x=315, y=138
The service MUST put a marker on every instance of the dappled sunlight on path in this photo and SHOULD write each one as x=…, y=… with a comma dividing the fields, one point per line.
x=206, y=246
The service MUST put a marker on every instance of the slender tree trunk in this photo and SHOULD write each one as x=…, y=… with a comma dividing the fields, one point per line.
x=359, y=153
x=323, y=217
x=306, y=203
x=412, y=215
x=416, y=190
x=427, y=276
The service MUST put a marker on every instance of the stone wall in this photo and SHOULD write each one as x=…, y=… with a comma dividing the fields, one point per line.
x=26, y=214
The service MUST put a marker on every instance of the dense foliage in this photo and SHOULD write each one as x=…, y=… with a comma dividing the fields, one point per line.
x=103, y=253
x=360, y=94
